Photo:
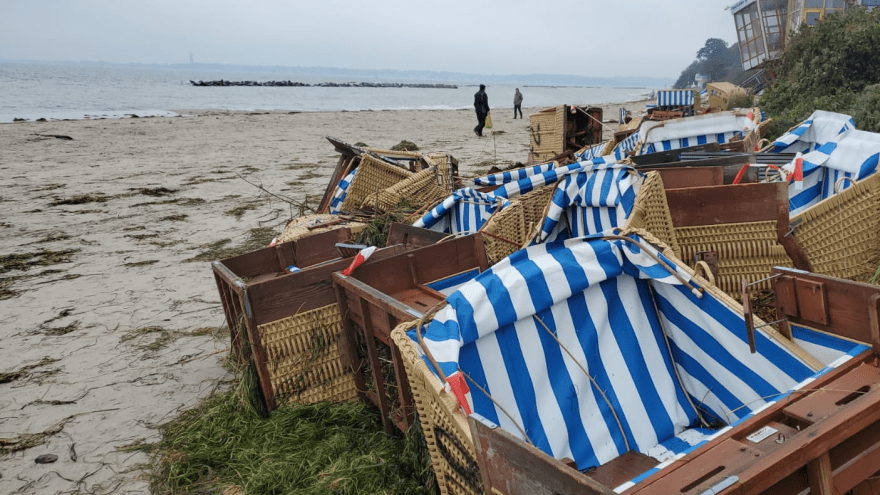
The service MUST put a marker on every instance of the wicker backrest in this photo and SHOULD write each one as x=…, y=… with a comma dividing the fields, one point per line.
x=841, y=234
x=745, y=250
x=303, y=359
x=447, y=434
x=547, y=132
x=426, y=187
x=309, y=225
x=508, y=230
x=651, y=212
x=373, y=176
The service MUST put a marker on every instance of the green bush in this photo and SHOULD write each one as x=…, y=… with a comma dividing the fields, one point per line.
x=834, y=66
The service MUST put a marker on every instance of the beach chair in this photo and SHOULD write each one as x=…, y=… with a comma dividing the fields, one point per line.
x=723, y=127
x=598, y=351
x=835, y=210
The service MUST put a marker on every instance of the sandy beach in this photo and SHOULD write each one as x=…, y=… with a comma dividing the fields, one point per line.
x=110, y=321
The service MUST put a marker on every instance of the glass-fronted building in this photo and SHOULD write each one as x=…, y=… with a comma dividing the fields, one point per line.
x=762, y=25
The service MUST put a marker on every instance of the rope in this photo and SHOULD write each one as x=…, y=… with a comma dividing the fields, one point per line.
x=481, y=389
x=605, y=397
x=672, y=358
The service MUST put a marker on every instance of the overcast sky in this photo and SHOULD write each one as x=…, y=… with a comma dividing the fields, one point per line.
x=654, y=38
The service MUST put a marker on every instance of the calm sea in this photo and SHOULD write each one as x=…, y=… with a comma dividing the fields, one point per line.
x=32, y=91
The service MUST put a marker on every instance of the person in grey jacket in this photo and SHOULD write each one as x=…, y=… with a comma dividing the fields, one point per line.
x=517, y=103
x=481, y=105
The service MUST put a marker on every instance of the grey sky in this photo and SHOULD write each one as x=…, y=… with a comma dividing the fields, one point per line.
x=587, y=37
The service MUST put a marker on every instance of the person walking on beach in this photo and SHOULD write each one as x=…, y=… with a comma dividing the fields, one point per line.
x=481, y=105
x=517, y=103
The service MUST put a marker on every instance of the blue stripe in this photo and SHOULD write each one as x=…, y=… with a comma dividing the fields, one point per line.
x=564, y=391
x=469, y=359
x=589, y=339
x=523, y=388
x=625, y=335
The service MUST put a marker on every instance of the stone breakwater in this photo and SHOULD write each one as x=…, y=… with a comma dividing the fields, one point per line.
x=221, y=82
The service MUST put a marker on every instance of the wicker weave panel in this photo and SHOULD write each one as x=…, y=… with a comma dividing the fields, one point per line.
x=438, y=412
x=299, y=227
x=431, y=185
x=842, y=239
x=547, y=126
x=651, y=212
x=372, y=177
x=508, y=230
x=302, y=356
x=745, y=250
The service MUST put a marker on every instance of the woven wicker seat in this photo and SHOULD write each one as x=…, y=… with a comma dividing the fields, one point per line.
x=309, y=225
x=841, y=234
x=510, y=229
x=651, y=213
x=373, y=176
x=425, y=187
x=303, y=360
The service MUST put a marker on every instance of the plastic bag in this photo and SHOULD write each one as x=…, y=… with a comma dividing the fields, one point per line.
x=488, y=122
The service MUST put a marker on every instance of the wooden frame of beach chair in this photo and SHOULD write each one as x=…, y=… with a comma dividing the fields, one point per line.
x=841, y=234
x=555, y=130
x=287, y=324
x=377, y=297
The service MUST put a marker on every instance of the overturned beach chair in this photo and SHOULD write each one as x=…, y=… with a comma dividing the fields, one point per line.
x=598, y=351
x=835, y=209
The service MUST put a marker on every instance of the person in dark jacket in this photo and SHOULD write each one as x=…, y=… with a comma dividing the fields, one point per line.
x=481, y=105
x=517, y=103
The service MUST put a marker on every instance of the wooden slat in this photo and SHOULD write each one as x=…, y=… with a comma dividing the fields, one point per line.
x=723, y=204
x=513, y=467
x=848, y=304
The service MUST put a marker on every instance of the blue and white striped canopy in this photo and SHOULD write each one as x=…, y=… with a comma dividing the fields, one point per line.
x=464, y=212
x=513, y=175
x=719, y=127
x=596, y=198
x=675, y=97
x=340, y=192
x=812, y=133
x=853, y=154
x=573, y=346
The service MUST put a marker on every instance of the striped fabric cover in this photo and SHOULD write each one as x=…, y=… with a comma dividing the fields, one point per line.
x=853, y=154
x=675, y=97
x=598, y=298
x=529, y=184
x=626, y=147
x=464, y=212
x=591, y=153
x=622, y=115
x=812, y=133
x=692, y=131
x=597, y=198
x=512, y=175
x=340, y=191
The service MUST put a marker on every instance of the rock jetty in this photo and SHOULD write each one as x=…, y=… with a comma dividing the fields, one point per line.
x=295, y=84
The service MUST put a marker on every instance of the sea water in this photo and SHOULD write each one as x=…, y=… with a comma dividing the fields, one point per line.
x=64, y=91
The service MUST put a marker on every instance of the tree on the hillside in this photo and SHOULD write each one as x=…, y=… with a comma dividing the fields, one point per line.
x=714, y=48
x=832, y=66
x=716, y=61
